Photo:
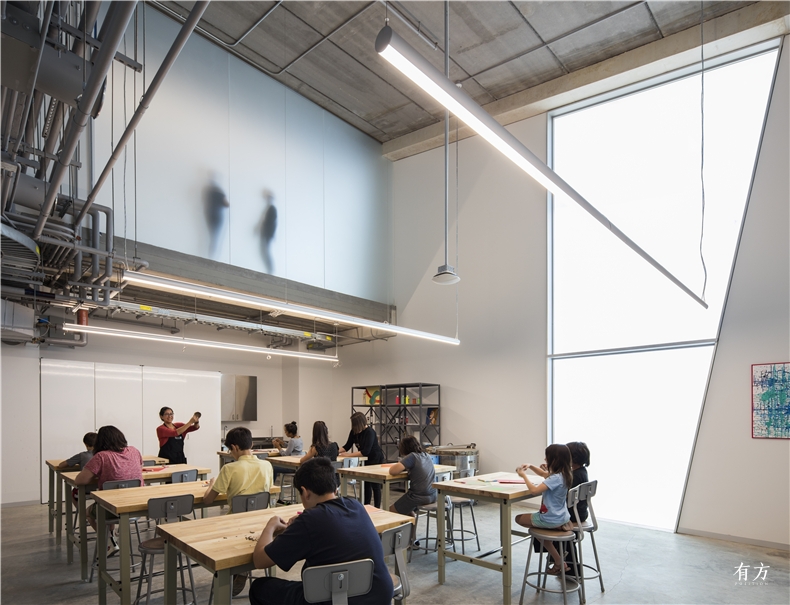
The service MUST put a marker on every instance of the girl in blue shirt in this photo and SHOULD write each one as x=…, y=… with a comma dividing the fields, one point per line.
x=553, y=509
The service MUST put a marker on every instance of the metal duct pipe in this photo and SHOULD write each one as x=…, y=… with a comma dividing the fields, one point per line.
x=96, y=242
x=8, y=123
x=30, y=129
x=56, y=109
x=29, y=99
x=104, y=59
x=181, y=39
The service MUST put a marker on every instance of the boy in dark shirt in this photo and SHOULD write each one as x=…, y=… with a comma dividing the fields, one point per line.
x=330, y=530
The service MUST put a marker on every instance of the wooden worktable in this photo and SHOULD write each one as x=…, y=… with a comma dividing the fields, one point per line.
x=55, y=499
x=224, y=545
x=487, y=488
x=380, y=473
x=131, y=502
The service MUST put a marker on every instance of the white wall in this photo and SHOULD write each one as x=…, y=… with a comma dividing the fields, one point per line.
x=755, y=329
x=218, y=120
x=494, y=383
x=21, y=442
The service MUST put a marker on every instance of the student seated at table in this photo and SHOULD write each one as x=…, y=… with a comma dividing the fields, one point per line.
x=422, y=475
x=113, y=460
x=332, y=529
x=80, y=459
x=553, y=512
x=321, y=445
x=247, y=475
x=295, y=445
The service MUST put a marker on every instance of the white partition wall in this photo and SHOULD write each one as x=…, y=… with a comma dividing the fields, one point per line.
x=67, y=410
x=119, y=400
x=186, y=392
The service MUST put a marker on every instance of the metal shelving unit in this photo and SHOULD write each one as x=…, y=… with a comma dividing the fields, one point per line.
x=396, y=410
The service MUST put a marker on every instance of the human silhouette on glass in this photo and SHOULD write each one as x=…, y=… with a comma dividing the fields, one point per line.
x=215, y=205
x=268, y=228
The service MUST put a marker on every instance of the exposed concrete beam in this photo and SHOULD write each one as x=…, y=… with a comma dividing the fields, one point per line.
x=753, y=24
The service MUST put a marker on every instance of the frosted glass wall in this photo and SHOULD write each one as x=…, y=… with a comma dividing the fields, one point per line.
x=233, y=166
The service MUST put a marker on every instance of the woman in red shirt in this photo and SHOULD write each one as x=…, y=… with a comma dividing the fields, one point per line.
x=171, y=435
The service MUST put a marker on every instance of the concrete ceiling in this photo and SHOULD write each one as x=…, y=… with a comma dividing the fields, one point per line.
x=324, y=50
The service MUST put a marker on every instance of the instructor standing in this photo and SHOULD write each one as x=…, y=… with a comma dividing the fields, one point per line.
x=171, y=435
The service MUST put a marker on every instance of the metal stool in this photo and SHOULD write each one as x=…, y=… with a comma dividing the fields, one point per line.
x=563, y=537
x=337, y=582
x=459, y=504
x=431, y=511
x=123, y=484
x=171, y=509
x=586, y=492
x=394, y=541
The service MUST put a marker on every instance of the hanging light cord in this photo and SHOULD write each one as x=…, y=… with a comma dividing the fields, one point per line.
x=702, y=145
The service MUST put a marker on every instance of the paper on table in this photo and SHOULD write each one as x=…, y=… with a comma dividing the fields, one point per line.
x=153, y=469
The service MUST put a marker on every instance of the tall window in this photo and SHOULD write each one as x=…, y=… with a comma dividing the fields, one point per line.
x=631, y=352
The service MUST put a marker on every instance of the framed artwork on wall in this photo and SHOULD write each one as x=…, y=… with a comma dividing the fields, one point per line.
x=771, y=400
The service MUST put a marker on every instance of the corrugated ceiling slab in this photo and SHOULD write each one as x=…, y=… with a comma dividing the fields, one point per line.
x=334, y=72
x=521, y=73
x=553, y=19
x=620, y=33
x=673, y=17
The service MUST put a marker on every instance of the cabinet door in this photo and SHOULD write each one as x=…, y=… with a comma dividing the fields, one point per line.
x=228, y=397
x=246, y=397
x=119, y=401
x=67, y=411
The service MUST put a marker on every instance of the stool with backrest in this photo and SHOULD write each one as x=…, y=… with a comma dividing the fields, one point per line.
x=394, y=541
x=430, y=511
x=262, y=456
x=586, y=492
x=168, y=509
x=245, y=503
x=338, y=582
x=123, y=484
x=293, y=497
x=184, y=476
x=562, y=537
x=459, y=504
x=149, y=463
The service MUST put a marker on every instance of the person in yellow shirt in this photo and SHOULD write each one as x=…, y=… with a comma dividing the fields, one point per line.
x=247, y=475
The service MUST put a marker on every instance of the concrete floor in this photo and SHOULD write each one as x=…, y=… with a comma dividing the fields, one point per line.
x=639, y=566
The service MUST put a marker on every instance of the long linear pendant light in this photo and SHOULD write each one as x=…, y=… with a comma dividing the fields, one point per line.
x=99, y=331
x=420, y=71
x=259, y=302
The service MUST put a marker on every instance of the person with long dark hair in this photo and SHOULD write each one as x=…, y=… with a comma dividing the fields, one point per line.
x=364, y=437
x=113, y=460
x=321, y=446
x=553, y=509
x=171, y=435
x=422, y=475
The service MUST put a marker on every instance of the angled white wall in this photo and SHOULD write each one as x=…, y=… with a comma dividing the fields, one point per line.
x=755, y=329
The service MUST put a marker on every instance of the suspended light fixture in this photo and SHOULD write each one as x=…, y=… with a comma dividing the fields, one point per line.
x=446, y=275
x=167, y=284
x=192, y=342
x=420, y=71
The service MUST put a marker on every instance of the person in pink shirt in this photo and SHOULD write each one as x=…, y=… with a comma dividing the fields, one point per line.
x=113, y=460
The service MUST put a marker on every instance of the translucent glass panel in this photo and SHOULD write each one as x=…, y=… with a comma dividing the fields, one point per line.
x=637, y=413
x=637, y=159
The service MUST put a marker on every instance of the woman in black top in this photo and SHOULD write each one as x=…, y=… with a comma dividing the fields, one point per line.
x=367, y=444
x=321, y=446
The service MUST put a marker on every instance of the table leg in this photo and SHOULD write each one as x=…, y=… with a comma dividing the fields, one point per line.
x=125, y=545
x=507, y=547
x=222, y=594
x=385, y=495
x=344, y=485
x=171, y=569
x=51, y=500
x=440, y=533
x=83, y=532
x=101, y=551
x=69, y=529
x=59, y=509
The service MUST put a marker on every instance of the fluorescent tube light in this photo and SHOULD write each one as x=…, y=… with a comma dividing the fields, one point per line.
x=191, y=342
x=167, y=284
x=420, y=71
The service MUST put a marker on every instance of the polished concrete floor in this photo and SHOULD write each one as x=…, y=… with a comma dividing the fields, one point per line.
x=639, y=566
